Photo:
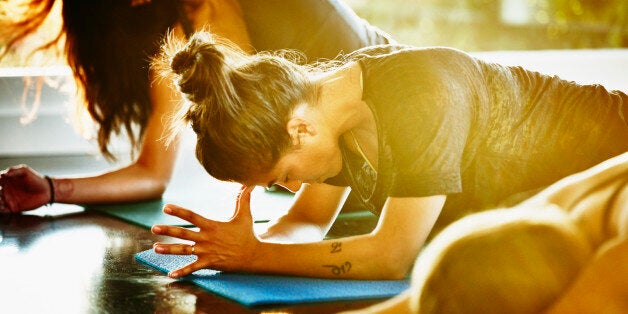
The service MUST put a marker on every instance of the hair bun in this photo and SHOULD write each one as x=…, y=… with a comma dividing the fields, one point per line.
x=200, y=46
x=182, y=61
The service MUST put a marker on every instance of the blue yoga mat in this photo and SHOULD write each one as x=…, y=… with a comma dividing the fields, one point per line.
x=254, y=290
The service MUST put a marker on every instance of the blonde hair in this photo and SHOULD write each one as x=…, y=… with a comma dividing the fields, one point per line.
x=516, y=260
x=239, y=104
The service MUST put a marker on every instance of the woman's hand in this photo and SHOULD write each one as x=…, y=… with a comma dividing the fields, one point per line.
x=218, y=245
x=22, y=189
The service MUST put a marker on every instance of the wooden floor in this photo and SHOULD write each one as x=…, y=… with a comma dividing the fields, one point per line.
x=62, y=259
x=82, y=262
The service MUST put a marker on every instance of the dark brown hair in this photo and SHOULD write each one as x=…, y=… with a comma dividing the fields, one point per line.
x=239, y=104
x=108, y=45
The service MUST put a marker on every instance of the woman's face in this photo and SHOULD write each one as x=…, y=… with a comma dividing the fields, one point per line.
x=317, y=159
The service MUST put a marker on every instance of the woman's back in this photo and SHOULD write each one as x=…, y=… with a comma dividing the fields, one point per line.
x=481, y=133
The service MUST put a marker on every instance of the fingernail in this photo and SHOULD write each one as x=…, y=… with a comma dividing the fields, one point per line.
x=159, y=249
x=167, y=210
x=173, y=275
x=156, y=229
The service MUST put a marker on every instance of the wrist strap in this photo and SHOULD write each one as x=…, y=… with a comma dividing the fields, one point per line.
x=52, y=190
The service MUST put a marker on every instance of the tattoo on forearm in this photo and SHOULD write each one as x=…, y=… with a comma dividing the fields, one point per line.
x=339, y=270
x=336, y=247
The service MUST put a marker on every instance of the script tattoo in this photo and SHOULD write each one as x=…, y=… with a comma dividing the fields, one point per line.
x=339, y=270
x=336, y=247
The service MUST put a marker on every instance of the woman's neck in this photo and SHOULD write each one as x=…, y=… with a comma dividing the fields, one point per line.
x=341, y=98
x=347, y=114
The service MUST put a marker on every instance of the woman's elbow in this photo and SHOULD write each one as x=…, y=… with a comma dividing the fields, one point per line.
x=155, y=181
x=159, y=187
x=395, y=265
x=396, y=269
x=153, y=188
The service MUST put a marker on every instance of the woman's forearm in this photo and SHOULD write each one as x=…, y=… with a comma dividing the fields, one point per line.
x=132, y=183
x=358, y=257
x=148, y=176
x=386, y=253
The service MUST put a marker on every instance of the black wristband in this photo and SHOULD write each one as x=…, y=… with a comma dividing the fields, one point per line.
x=52, y=190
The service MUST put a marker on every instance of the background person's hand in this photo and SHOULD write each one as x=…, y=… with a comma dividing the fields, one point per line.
x=22, y=189
x=227, y=246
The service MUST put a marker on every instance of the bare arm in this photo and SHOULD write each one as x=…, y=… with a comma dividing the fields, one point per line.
x=387, y=253
x=149, y=175
x=310, y=217
x=145, y=178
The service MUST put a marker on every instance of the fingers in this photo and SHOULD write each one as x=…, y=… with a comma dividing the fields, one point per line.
x=177, y=232
x=16, y=171
x=4, y=209
x=243, y=204
x=242, y=189
x=179, y=249
x=187, y=215
x=7, y=204
x=187, y=269
x=174, y=249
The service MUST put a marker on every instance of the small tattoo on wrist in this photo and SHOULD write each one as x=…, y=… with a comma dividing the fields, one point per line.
x=339, y=269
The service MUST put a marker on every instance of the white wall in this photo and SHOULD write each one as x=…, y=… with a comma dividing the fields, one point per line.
x=608, y=67
x=49, y=131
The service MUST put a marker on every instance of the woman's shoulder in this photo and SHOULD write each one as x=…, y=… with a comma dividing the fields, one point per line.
x=403, y=53
x=375, y=51
x=430, y=63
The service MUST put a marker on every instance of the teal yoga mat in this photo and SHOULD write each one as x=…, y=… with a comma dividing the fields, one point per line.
x=148, y=213
x=257, y=290
x=144, y=214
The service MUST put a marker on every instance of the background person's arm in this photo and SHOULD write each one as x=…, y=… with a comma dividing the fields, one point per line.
x=148, y=176
x=145, y=178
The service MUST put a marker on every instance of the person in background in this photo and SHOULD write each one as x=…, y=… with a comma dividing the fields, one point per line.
x=424, y=136
x=109, y=45
x=564, y=250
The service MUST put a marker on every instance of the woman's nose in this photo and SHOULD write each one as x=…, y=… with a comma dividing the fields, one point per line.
x=292, y=185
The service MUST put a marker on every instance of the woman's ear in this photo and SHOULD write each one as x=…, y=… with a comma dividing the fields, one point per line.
x=299, y=129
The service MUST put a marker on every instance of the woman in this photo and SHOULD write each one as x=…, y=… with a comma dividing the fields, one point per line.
x=563, y=251
x=120, y=97
x=420, y=134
